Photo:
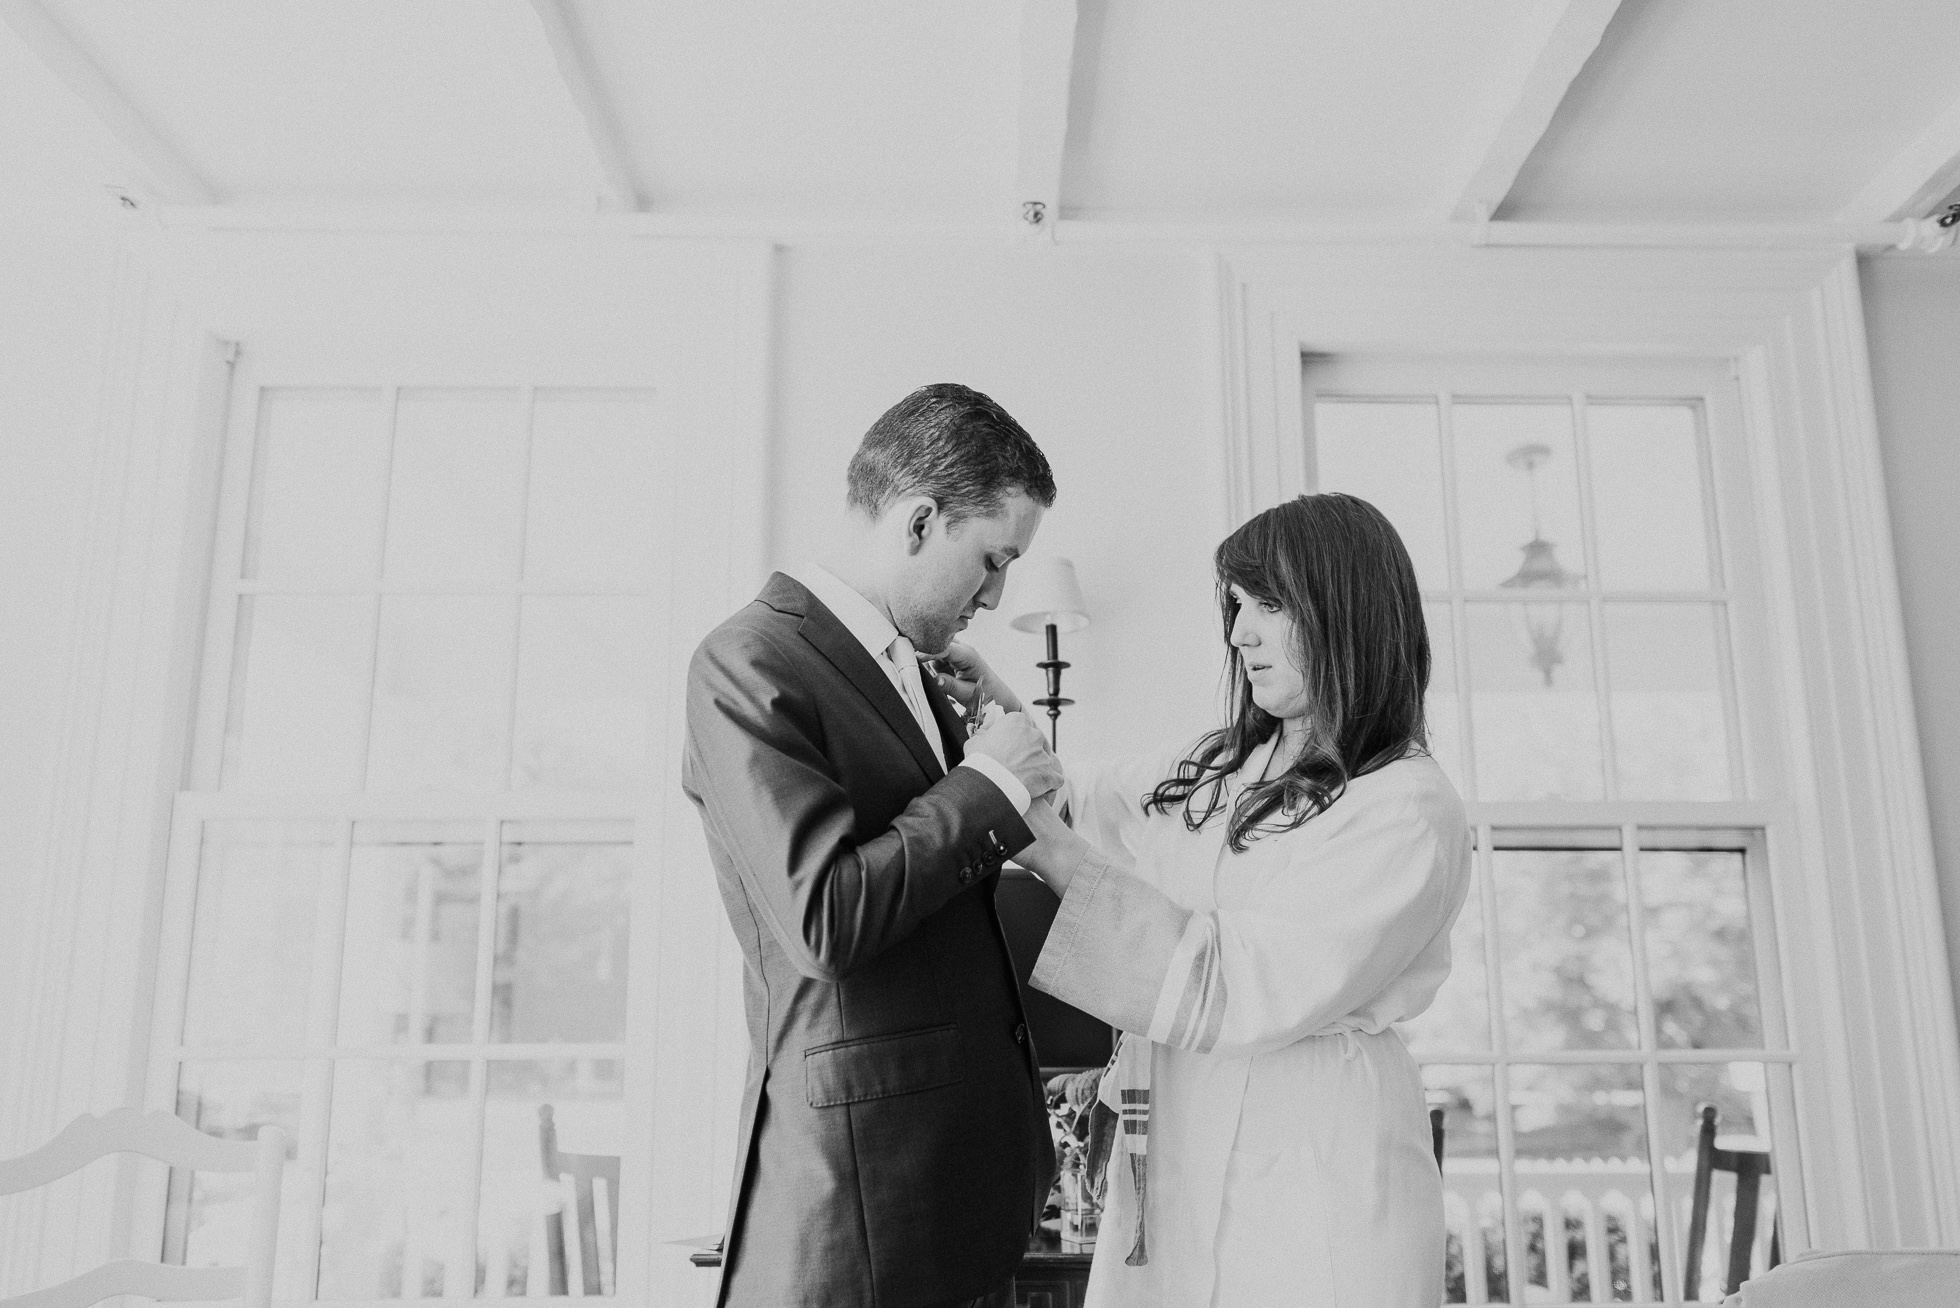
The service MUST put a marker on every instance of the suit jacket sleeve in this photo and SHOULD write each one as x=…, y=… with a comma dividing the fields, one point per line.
x=756, y=767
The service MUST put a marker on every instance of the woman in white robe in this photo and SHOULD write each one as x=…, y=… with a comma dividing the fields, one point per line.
x=1257, y=955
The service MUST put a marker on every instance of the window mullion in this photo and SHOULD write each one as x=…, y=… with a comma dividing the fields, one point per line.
x=1507, y=1178
x=1459, y=618
x=323, y=1018
x=1595, y=605
x=489, y=879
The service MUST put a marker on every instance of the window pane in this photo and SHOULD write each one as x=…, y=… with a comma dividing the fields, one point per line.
x=297, y=718
x=409, y=975
x=1585, y=1187
x=1565, y=952
x=1388, y=454
x=1517, y=482
x=455, y=498
x=1459, y=1018
x=581, y=698
x=1701, y=961
x=1670, y=737
x=1473, y=1201
x=592, y=513
x=319, y=486
x=399, y=1155
x=1440, y=705
x=252, y=933
x=208, y=1217
x=1647, y=496
x=561, y=941
x=520, y=1204
x=441, y=693
x=1534, y=715
x=1740, y=1094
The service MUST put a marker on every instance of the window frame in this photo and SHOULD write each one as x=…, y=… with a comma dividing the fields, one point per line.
x=1844, y=815
x=204, y=801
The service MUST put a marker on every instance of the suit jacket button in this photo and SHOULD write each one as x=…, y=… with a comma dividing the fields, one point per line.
x=1020, y=1033
x=966, y=876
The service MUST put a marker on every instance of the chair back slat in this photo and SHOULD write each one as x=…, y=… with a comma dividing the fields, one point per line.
x=159, y=1135
x=582, y=1170
x=150, y=1280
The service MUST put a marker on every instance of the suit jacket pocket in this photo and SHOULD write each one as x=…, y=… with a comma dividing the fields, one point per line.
x=877, y=1067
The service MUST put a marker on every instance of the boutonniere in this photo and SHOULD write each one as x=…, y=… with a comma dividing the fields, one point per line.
x=981, y=713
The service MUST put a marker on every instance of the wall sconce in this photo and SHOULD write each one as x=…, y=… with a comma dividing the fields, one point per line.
x=1047, y=596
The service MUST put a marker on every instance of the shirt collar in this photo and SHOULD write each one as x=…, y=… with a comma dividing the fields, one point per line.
x=859, y=615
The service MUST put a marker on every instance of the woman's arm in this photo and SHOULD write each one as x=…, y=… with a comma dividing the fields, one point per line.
x=1326, y=935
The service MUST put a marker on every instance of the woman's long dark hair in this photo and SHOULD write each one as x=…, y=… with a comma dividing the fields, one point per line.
x=1337, y=567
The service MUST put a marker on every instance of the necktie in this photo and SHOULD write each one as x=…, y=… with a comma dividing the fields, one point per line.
x=912, y=687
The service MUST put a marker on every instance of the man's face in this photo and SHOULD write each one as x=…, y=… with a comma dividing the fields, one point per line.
x=952, y=573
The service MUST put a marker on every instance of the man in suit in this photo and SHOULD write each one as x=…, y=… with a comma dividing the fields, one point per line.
x=894, y=1150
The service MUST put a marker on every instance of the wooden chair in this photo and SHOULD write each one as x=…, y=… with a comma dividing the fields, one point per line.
x=582, y=1169
x=1750, y=1167
x=169, y=1140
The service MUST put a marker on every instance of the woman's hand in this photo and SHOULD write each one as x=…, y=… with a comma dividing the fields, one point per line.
x=965, y=675
x=1057, y=850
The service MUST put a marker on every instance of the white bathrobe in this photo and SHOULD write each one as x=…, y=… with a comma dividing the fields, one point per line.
x=1289, y=1148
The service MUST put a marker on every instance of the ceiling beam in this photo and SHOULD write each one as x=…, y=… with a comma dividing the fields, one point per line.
x=616, y=187
x=1917, y=177
x=1564, y=35
x=1047, y=60
x=175, y=180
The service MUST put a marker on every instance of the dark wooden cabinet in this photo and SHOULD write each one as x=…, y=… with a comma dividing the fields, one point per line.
x=1050, y=1278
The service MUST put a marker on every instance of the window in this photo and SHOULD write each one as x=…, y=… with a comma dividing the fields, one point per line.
x=1614, y=964
x=401, y=889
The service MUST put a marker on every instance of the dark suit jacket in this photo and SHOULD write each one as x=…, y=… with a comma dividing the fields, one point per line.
x=894, y=1149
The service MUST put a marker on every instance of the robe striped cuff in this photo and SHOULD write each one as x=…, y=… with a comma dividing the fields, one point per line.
x=1191, y=1006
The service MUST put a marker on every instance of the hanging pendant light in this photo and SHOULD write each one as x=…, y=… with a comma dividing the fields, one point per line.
x=1543, y=624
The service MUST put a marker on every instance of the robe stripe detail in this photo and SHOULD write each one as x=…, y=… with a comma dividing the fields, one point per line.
x=1183, y=979
x=1195, y=992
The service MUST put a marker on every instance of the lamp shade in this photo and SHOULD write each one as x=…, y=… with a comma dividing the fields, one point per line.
x=1044, y=590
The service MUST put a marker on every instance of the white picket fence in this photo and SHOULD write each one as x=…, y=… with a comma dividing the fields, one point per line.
x=1607, y=1203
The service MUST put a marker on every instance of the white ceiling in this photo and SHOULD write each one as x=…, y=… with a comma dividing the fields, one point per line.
x=1309, y=110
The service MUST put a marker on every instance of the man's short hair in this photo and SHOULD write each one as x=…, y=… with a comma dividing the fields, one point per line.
x=950, y=443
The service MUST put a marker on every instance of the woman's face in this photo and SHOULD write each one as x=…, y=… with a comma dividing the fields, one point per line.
x=1263, y=634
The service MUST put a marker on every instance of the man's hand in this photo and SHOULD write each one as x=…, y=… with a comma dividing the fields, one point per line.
x=1015, y=742
x=964, y=674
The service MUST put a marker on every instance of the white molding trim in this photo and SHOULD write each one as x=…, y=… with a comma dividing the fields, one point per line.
x=1047, y=40
x=120, y=751
x=176, y=180
x=1916, y=178
x=1567, y=31
x=1858, y=919
x=887, y=228
x=568, y=50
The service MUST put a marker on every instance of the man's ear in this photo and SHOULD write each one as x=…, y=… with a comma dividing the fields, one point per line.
x=921, y=520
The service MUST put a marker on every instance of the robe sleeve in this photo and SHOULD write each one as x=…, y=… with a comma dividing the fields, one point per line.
x=1328, y=932
x=1107, y=797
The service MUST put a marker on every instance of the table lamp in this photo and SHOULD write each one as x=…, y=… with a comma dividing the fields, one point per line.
x=1046, y=595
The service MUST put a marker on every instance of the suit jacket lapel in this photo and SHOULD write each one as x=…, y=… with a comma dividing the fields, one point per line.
x=834, y=641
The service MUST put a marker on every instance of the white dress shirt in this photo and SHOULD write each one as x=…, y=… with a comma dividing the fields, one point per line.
x=875, y=632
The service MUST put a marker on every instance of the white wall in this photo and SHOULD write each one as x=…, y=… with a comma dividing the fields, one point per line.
x=1103, y=354
x=1912, y=314
x=56, y=232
